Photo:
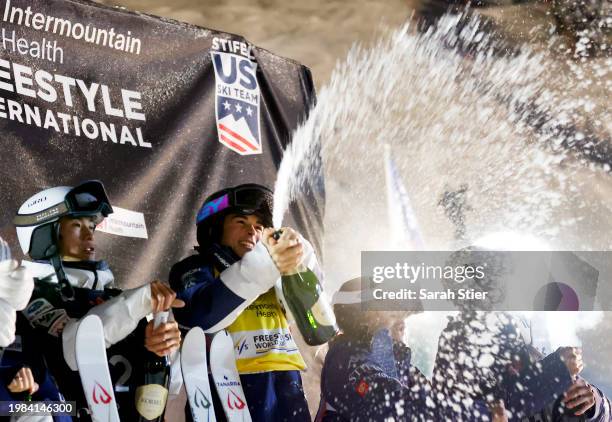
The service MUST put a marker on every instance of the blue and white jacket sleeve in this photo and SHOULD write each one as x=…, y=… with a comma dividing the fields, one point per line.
x=602, y=410
x=213, y=303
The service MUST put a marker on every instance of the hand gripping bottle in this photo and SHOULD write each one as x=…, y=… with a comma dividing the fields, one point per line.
x=309, y=305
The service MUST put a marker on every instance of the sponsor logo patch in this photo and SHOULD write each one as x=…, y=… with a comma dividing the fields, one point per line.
x=228, y=383
x=36, y=308
x=193, y=277
x=250, y=344
x=362, y=388
x=123, y=222
x=241, y=345
x=237, y=99
x=49, y=318
x=212, y=207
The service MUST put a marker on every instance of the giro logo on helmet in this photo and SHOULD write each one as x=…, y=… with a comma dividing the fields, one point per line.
x=37, y=201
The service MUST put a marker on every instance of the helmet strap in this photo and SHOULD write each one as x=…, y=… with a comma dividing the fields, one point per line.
x=66, y=289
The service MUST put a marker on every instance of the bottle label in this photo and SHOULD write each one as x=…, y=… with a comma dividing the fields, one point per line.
x=322, y=311
x=151, y=400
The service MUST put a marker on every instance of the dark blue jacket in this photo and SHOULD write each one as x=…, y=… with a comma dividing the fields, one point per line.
x=371, y=379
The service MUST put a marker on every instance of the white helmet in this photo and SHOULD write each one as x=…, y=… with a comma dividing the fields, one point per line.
x=37, y=219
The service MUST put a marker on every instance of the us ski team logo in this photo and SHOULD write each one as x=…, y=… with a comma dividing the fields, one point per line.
x=237, y=102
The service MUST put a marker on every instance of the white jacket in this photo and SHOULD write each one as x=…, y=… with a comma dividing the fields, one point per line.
x=120, y=315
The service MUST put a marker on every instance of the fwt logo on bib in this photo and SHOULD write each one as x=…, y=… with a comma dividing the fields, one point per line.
x=237, y=102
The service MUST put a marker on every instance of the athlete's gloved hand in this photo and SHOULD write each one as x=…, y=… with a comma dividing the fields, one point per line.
x=287, y=252
x=163, y=298
x=164, y=339
x=16, y=284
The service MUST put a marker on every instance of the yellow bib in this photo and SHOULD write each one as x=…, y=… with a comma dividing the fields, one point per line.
x=262, y=340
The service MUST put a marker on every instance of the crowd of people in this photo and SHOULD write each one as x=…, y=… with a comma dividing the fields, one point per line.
x=228, y=284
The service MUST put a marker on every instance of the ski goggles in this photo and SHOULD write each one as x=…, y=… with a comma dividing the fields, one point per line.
x=248, y=199
x=87, y=199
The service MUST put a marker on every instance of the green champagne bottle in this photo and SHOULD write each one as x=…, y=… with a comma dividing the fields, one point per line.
x=310, y=307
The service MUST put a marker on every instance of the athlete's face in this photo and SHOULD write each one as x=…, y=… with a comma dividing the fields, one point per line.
x=77, y=238
x=241, y=232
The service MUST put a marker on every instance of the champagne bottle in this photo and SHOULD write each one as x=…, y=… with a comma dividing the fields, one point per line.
x=151, y=396
x=309, y=306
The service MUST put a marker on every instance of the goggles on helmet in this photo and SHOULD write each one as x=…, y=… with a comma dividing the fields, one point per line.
x=89, y=198
x=248, y=199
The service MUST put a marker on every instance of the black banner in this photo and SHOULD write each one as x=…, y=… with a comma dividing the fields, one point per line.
x=163, y=113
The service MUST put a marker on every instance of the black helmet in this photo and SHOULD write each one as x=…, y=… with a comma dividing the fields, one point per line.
x=247, y=199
